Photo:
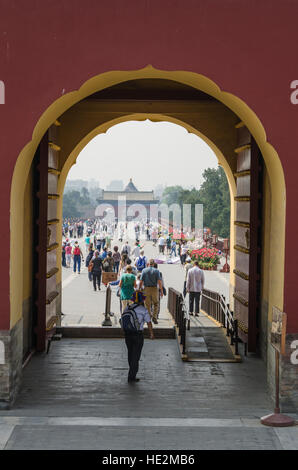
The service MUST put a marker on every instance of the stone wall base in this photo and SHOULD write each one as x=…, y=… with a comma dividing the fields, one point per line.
x=288, y=376
x=11, y=356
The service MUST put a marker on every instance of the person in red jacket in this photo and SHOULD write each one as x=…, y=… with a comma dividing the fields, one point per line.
x=77, y=257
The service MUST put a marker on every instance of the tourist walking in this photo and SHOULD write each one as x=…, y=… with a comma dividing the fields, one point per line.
x=126, y=249
x=141, y=262
x=163, y=289
x=151, y=280
x=168, y=243
x=87, y=242
x=136, y=250
x=133, y=268
x=68, y=254
x=108, y=263
x=184, y=250
x=127, y=286
x=96, y=269
x=117, y=258
x=161, y=244
x=132, y=321
x=194, y=285
x=77, y=257
x=123, y=262
x=88, y=261
x=187, y=267
x=173, y=248
x=63, y=255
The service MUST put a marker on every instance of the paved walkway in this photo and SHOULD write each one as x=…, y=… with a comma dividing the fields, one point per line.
x=206, y=340
x=84, y=307
x=78, y=397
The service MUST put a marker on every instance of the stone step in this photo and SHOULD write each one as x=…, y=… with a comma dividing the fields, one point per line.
x=110, y=332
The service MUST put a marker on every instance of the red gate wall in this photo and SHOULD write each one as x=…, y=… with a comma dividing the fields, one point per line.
x=51, y=47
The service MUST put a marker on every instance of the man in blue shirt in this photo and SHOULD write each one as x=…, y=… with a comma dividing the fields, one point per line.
x=151, y=280
x=134, y=340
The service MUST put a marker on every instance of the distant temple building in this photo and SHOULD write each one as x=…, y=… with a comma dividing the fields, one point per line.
x=129, y=197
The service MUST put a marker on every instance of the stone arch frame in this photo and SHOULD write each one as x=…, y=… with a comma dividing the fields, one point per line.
x=198, y=81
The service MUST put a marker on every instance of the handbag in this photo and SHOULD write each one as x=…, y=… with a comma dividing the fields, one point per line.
x=164, y=290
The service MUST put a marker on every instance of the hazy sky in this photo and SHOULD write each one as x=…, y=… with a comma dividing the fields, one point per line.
x=150, y=153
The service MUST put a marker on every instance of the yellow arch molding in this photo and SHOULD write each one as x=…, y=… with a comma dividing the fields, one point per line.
x=105, y=80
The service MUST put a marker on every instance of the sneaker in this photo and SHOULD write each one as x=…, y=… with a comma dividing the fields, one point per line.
x=95, y=290
x=133, y=380
x=197, y=315
x=155, y=321
x=190, y=313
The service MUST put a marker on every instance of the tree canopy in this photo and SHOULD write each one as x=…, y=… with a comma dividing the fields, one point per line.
x=71, y=201
x=213, y=194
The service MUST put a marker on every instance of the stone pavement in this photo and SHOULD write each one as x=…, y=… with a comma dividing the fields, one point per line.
x=77, y=397
x=206, y=340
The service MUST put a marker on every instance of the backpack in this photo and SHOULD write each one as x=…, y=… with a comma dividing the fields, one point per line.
x=129, y=320
x=76, y=251
x=106, y=264
x=141, y=263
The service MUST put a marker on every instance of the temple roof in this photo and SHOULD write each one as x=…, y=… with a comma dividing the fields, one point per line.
x=130, y=187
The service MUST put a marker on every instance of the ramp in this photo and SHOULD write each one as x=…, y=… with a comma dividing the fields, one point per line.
x=206, y=341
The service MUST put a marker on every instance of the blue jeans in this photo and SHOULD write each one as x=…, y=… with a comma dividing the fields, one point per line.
x=77, y=261
x=116, y=266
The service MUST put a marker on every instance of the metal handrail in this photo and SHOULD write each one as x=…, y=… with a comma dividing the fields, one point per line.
x=217, y=307
x=178, y=310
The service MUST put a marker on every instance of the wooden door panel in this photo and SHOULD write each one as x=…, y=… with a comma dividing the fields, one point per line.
x=248, y=238
x=242, y=262
x=242, y=287
x=243, y=211
x=243, y=136
x=243, y=186
x=242, y=236
x=243, y=160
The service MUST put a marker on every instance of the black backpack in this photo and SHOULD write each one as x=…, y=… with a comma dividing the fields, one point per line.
x=129, y=320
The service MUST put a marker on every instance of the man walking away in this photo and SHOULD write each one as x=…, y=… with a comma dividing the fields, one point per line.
x=77, y=254
x=141, y=262
x=132, y=321
x=194, y=285
x=96, y=270
x=126, y=249
x=151, y=281
x=161, y=244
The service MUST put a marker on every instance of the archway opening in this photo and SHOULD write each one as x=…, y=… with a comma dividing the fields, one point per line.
x=227, y=114
x=171, y=169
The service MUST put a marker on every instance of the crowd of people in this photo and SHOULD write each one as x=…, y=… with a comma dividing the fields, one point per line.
x=134, y=270
x=139, y=281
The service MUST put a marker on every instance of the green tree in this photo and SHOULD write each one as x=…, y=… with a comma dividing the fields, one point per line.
x=172, y=195
x=215, y=196
x=84, y=197
x=70, y=201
